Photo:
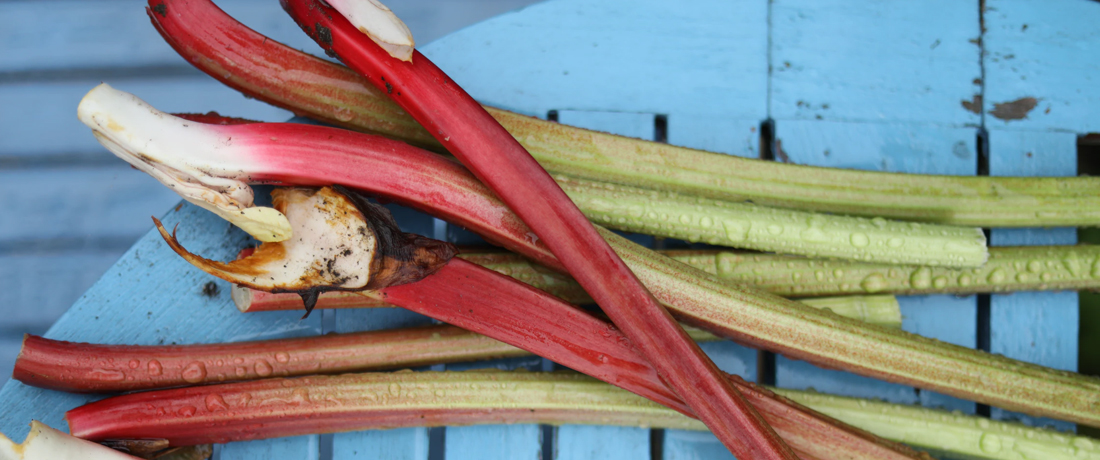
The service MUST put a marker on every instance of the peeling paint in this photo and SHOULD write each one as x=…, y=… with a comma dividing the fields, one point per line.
x=1014, y=110
x=973, y=105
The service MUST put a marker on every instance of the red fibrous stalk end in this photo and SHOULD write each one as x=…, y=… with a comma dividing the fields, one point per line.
x=471, y=134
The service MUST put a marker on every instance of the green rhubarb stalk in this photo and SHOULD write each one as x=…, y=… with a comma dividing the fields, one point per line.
x=257, y=66
x=953, y=433
x=747, y=225
x=1025, y=268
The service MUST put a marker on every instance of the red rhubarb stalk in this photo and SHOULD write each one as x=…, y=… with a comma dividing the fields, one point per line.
x=458, y=122
x=301, y=154
x=93, y=368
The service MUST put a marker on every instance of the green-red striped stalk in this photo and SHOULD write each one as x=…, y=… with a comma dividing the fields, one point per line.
x=258, y=66
x=1009, y=269
x=93, y=368
x=558, y=398
x=882, y=310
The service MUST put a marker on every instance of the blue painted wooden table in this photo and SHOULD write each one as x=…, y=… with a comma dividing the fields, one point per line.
x=901, y=86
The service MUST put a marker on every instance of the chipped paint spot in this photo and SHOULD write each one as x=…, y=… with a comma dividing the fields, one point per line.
x=973, y=105
x=1014, y=110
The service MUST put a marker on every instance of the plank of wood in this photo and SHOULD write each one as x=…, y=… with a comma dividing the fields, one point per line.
x=1039, y=71
x=70, y=204
x=39, y=288
x=46, y=121
x=397, y=444
x=849, y=60
x=1037, y=327
x=731, y=136
x=76, y=36
x=151, y=296
x=296, y=447
x=706, y=59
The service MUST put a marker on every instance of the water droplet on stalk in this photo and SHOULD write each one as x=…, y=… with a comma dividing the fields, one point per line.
x=263, y=369
x=194, y=372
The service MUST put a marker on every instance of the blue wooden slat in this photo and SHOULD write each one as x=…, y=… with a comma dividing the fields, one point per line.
x=887, y=146
x=398, y=444
x=297, y=447
x=112, y=201
x=1040, y=65
x=46, y=121
x=1034, y=326
x=39, y=288
x=154, y=297
x=853, y=60
x=731, y=136
x=114, y=33
x=642, y=56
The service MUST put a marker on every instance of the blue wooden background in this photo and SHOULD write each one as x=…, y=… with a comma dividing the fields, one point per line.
x=891, y=86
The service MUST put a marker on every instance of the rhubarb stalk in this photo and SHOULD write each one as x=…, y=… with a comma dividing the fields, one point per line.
x=555, y=399
x=93, y=368
x=309, y=155
x=466, y=130
x=882, y=310
x=258, y=66
x=1009, y=269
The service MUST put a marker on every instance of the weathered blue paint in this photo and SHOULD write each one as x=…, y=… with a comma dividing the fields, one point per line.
x=1041, y=67
x=848, y=60
x=1033, y=326
x=641, y=56
x=303, y=447
x=398, y=444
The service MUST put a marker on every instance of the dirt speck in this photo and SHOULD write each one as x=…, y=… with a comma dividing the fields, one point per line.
x=974, y=105
x=210, y=289
x=779, y=153
x=161, y=9
x=1014, y=110
x=323, y=34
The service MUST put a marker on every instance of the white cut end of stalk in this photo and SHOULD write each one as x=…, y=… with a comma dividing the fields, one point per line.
x=383, y=27
x=193, y=159
x=332, y=247
x=45, y=443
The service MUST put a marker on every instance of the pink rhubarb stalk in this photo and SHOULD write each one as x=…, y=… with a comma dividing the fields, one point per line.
x=466, y=130
x=311, y=155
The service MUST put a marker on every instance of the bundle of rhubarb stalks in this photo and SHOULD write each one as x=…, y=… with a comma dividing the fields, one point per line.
x=829, y=250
